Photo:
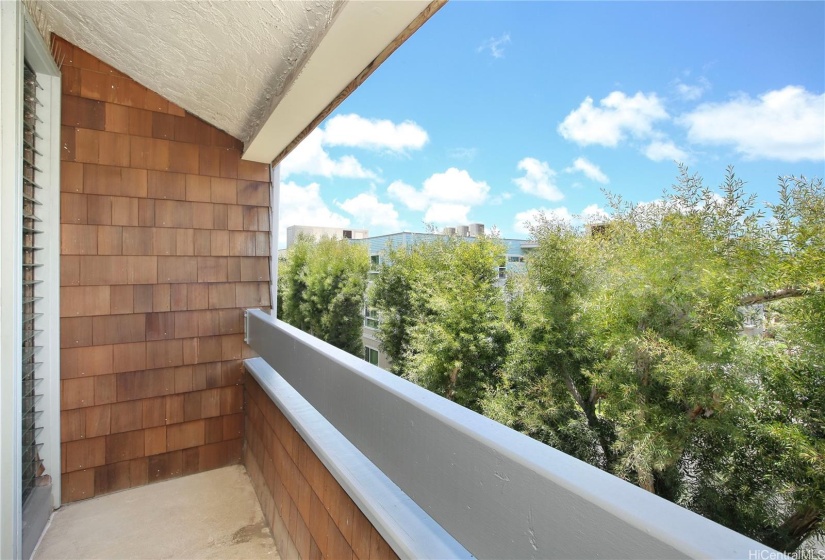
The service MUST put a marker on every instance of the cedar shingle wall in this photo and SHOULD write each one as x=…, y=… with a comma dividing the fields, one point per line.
x=164, y=241
x=309, y=513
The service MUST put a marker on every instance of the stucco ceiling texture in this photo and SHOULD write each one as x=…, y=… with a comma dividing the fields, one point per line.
x=228, y=62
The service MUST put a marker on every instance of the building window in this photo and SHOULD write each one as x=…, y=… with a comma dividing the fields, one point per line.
x=375, y=262
x=370, y=318
x=371, y=355
x=515, y=258
x=31, y=290
x=30, y=253
x=347, y=234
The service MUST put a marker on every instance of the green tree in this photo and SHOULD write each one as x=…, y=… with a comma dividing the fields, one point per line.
x=628, y=352
x=544, y=389
x=292, y=283
x=787, y=416
x=322, y=286
x=442, y=315
x=392, y=294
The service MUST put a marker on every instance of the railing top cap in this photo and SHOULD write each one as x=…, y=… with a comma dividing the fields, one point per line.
x=470, y=472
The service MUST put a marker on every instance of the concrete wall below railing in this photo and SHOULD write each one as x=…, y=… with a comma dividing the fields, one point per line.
x=496, y=491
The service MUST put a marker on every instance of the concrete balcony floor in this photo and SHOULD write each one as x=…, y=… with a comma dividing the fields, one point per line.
x=214, y=514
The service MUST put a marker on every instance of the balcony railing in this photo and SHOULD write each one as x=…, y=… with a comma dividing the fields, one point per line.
x=438, y=480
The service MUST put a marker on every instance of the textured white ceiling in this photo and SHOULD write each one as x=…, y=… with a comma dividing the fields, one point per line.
x=228, y=62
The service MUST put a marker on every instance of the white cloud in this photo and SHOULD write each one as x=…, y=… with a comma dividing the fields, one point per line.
x=691, y=92
x=590, y=214
x=499, y=199
x=524, y=219
x=408, y=195
x=538, y=180
x=352, y=131
x=786, y=124
x=311, y=158
x=303, y=206
x=653, y=209
x=369, y=211
x=593, y=213
x=468, y=154
x=659, y=150
x=590, y=170
x=455, y=185
x=452, y=186
x=495, y=45
x=446, y=213
x=356, y=131
x=447, y=197
x=616, y=117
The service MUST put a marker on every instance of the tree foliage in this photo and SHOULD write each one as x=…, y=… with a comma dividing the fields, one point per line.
x=441, y=315
x=321, y=290
x=547, y=332
x=628, y=352
x=626, y=347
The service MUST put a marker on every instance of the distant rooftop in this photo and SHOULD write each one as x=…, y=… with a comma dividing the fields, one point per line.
x=317, y=232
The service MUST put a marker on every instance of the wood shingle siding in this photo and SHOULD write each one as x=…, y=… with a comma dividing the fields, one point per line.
x=310, y=514
x=164, y=239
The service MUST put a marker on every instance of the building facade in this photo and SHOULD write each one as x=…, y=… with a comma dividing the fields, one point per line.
x=317, y=232
x=380, y=245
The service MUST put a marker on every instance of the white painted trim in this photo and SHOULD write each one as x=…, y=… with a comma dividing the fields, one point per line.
x=37, y=52
x=357, y=36
x=274, y=234
x=38, y=55
x=53, y=292
x=19, y=41
x=11, y=173
x=50, y=289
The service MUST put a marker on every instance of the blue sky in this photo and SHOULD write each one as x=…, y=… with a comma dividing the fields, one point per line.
x=494, y=110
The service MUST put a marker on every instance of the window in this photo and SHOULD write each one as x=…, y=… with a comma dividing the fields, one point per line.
x=370, y=318
x=32, y=277
x=375, y=262
x=347, y=234
x=30, y=253
x=371, y=355
x=515, y=258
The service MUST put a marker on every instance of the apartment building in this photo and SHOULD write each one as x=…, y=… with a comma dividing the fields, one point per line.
x=379, y=245
x=317, y=232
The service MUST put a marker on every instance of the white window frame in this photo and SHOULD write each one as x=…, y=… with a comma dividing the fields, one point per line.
x=19, y=42
x=377, y=354
x=368, y=318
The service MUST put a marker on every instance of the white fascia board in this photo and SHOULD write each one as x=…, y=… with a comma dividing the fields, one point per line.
x=362, y=30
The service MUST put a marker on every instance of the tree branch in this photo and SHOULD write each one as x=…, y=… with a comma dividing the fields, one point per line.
x=588, y=408
x=776, y=295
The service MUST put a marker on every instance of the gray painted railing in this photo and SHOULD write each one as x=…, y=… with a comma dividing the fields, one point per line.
x=403, y=524
x=496, y=491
